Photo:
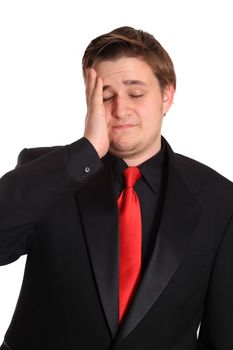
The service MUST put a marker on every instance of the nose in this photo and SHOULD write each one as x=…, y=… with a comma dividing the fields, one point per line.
x=120, y=107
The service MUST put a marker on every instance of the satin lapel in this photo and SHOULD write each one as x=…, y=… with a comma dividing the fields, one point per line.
x=98, y=209
x=177, y=227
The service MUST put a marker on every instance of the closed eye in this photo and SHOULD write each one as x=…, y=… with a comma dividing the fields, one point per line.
x=136, y=96
x=107, y=98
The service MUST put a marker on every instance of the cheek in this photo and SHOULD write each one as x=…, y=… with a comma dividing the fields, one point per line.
x=150, y=111
x=143, y=109
x=155, y=105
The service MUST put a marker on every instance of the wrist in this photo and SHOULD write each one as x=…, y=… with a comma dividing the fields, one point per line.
x=100, y=149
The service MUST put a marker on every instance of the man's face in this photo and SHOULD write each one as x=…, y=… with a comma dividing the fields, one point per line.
x=134, y=105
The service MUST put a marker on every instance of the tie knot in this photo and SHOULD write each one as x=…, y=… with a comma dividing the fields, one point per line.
x=132, y=175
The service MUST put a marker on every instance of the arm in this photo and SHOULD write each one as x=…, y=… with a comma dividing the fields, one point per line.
x=216, y=331
x=30, y=191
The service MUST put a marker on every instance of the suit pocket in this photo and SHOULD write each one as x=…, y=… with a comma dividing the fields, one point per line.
x=195, y=261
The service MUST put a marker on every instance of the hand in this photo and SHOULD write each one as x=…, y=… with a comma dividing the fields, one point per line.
x=96, y=124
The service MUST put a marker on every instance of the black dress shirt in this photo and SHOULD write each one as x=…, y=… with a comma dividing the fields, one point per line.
x=151, y=191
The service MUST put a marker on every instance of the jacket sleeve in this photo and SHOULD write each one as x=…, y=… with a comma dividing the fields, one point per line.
x=30, y=191
x=216, y=330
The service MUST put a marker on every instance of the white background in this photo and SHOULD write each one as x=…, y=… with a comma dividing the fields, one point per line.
x=42, y=100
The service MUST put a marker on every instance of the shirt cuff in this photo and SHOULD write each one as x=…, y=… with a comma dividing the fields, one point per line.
x=83, y=160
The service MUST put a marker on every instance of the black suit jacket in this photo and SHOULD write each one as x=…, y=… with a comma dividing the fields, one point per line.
x=67, y=222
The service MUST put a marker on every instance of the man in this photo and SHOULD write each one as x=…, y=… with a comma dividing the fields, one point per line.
x=102, y=273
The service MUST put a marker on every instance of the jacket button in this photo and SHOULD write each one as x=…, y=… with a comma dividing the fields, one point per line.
x=87, y=169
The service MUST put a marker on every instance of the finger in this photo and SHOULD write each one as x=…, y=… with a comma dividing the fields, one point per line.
x=97, y=97
x=91, y=84
x=87, y=83
x=86, y=78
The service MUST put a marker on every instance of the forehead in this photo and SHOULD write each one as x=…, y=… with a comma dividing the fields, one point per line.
x=124, y=69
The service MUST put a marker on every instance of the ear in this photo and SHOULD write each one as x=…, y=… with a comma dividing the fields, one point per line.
x=168, y=96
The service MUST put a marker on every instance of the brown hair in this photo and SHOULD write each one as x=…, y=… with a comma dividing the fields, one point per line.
x=130, y=42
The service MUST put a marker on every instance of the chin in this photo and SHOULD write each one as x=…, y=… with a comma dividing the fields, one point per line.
x=122, y=149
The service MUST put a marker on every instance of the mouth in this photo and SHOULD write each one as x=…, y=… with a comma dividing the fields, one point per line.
x=125, y=126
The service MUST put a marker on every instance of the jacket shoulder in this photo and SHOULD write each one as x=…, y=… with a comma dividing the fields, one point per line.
x=29, y=154
x=197, y=172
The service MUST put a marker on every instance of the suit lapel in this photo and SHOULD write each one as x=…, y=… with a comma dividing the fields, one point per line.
x=98, y=208
x=177, y=228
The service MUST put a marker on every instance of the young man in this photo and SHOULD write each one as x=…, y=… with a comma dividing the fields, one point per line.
x=114, y=264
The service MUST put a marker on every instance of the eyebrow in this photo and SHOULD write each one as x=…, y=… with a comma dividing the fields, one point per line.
x=128, y=83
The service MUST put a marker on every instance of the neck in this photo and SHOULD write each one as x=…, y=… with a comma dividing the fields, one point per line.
x=138, y=159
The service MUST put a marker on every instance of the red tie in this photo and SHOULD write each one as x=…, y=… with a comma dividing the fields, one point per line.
x=130, y=240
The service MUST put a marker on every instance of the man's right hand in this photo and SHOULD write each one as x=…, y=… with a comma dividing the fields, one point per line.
x=96, y=123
